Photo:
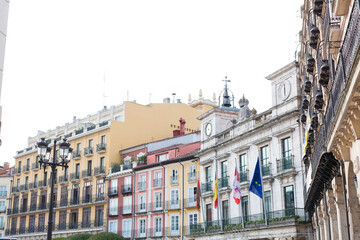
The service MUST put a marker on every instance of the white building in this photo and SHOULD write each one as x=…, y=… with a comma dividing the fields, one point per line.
x=4, y=9
x=237, y=137
x=6, y=178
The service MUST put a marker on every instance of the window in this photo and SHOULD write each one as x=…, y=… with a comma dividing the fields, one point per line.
x=35, y=181
x=28, y=164
x=103, y=139
x=64, y=196
x=99, y=216
x=142, y=228
x=41, y=222
x=26, y=183
x=126, y=228
x=264, y=154
x=142, y=182
x=267, y=197
x=174, y=176
x=100, y=189
x=193, y=220
x=289, y=200
x=90, y=144
x=117, y=118
x=2, y=206
x=174, y=225
x=2, y=191
x=174, y=198
x=157, y=179
x=142, y=203
x=225, y=212
x=62, y=220
x=127, y=204
x=78, y=148
x=31, y=223
x=33, y=201
x=77, y=170
x=245, y=207
x=114, y=186
x=127, y=182
x=113, y=206
x=158, y=200
x=208, y=174
x=192, y=197
x=158, y=231
x=243, y=170
x=286, y=153
x=86, y=219
x=192, y=173
x=208, y=213
x=224, y=179
x=102, y=165
x=162, y=157
x=73, y=221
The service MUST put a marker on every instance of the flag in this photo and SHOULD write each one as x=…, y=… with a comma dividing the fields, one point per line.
x=256, y=182
x=307, y=128
x=236, y=188
x=198, y=195
x=215, y=193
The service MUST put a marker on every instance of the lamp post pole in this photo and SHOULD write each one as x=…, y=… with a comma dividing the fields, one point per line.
x=44, y=160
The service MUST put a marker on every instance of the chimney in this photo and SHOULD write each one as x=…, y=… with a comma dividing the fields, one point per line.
x=166, y=100
x=182, y=126
x=176, y=133
x=174, y=97
x=6, y=165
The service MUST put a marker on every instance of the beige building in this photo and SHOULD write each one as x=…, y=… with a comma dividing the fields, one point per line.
x=4, y=9
x=329, y=73
x=80, y=191
x=6, y=178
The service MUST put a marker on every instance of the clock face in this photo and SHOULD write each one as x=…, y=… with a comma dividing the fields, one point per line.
x=208, y=129
x=284, y=90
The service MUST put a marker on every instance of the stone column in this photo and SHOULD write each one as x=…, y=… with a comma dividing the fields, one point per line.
x=332, y=214
x=340, y=208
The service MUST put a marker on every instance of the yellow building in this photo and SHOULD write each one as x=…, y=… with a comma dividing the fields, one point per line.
x=80, y=191
x=180, y=196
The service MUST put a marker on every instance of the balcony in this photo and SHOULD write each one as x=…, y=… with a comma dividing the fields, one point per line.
x=156, y=232
x=223, y=182
x=173, y=231
x=17, y=170
x=288, y=217
x=142, y=160
x=33, y=207
x=243, y=175
x=142, y=186
x=23, y=209
x=42, y=184
x=206, y=187
x=100, y=148
x=126, y=189
x=285, y=166
x=75, y=201
x=191, y=177
x=79, y=131
x=99, y=171
x=2, y=209
x=266, y=169
x=64, y=179
x=77, y=154
x=88, y=151
x=141, y=208
x=86, y=174
x=86, y=199
x=74, y=177
x=42, y=206
x=190, y=202
x=173, y=204
x=15, y=189
x=125, y=210
x=22, y=188
x=113, y=191
x=113, y=211
x=157, y=182
x=91, y=128
x=174, y=180
x=3, y=194
x=100, y=197
x=73, y=225
x=156, y=206
x=104, y=123
x=26, y=168
x=35, y=166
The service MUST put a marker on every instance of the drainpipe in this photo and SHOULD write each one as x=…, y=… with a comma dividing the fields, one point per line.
x=163, y=222
x=345, y=198
x=134, y=206
x=182, y=205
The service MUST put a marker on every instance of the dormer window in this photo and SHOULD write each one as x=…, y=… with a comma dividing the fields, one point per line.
x=162, y=157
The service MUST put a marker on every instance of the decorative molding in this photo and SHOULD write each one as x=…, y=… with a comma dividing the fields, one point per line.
x=241, y=149
x=283, y=132
x=263, y=140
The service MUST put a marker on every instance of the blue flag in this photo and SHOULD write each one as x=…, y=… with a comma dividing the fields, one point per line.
x=256, y=182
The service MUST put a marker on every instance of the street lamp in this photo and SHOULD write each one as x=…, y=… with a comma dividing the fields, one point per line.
x=44, y=160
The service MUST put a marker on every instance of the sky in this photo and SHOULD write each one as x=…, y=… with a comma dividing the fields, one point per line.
x=63, y=57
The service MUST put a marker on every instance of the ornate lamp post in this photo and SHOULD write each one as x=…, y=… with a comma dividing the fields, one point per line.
x=44, y=161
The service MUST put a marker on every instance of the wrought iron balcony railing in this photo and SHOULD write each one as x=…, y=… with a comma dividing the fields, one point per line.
x=126, y=188
x=101, y=147
x=88, y=151
x=157, y=182
x=285, y=163
x=99, y=171
x=191, y=177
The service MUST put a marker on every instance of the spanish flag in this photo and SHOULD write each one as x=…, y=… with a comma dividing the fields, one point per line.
x=215, y=193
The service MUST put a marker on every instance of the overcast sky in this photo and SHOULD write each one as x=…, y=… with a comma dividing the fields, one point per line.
x=57, y=53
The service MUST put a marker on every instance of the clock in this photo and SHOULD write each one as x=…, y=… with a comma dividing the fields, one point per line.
x=284, y=90
x=208, y=129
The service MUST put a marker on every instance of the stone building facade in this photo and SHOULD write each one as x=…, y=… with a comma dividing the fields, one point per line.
x=329, y=77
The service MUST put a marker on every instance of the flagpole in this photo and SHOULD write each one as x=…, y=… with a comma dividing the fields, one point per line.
x=241, y=210
x=202, y=205
x=263, y=193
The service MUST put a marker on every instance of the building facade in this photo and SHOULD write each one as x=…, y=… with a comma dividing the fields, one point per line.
x=163, y=202
x=235, y=138
x=4, y=10
x=80, y=193
x=6, y=179
x=329, y=75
